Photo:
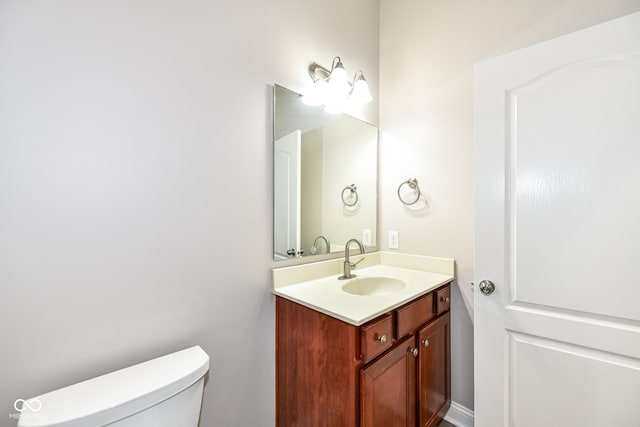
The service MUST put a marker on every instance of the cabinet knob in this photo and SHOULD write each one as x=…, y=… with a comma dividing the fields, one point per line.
x=414, y=352
x=382, y=339
x=425, y=343
x=444, y=299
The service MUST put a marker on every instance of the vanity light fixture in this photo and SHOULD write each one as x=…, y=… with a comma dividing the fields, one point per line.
x=332, y=89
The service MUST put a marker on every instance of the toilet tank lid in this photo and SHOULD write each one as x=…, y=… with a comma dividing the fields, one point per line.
x=113, y=396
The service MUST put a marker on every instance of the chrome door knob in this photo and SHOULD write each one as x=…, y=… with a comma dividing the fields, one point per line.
x=382, y=339
x=414, y=352
x=425, y=343
x=487, y=287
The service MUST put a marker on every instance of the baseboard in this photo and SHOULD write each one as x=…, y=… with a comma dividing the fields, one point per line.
x=459, y=415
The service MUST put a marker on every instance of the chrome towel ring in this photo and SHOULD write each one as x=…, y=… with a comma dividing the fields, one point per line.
x=354, y=191
x=413, y=184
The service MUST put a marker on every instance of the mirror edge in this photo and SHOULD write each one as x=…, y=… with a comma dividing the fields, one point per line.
x=332, y=255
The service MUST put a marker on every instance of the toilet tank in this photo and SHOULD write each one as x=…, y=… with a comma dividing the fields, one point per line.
x=166, y=391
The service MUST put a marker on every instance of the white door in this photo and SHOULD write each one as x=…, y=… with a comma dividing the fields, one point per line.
x=286, y=171
x=558, y=232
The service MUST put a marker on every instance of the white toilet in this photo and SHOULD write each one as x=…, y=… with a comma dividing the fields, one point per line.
x=166, y=391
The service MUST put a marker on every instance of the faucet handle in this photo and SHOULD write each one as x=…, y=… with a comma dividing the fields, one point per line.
x=353, y=264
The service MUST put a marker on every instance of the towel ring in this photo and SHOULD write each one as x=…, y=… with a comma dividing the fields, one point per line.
x=413, y=184
x=354, y=190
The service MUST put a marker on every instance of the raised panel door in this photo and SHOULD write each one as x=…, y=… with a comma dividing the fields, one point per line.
x=387, y=389
x=434, y=371
x=557, y=231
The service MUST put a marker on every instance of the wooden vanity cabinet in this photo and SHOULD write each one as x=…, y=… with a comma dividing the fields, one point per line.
x=317, y=367
x=434, y=371
x=388, y=389
x=393, y=371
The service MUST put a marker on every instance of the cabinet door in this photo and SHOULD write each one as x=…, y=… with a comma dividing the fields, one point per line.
x=434, y=371
x=388, y=389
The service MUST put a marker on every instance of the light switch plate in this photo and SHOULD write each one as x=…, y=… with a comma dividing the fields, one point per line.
x=366, y=237
x=393, y=240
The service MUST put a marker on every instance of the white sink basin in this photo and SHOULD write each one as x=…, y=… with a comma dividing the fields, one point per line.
x=373, y=286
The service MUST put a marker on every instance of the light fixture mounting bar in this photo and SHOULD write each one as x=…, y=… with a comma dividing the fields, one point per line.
x=317, y=72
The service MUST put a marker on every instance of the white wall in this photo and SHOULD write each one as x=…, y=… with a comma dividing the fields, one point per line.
x=135, y=184
x=427, y=52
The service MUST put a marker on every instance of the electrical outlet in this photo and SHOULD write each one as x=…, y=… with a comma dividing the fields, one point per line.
x=393, y=240
x=366, y=237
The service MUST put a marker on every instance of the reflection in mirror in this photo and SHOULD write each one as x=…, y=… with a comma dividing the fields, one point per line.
x=325, y=179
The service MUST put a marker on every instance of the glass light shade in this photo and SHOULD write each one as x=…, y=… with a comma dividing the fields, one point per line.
x=360, y=93
x=338, y=80
x=334, y=104
x=315, y=94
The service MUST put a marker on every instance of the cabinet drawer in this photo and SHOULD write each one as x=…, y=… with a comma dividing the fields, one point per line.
x=443, y=300
x=376, y=337
x=414, y=314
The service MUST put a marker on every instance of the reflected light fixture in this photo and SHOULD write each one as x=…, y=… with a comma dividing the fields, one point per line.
x=332, y=89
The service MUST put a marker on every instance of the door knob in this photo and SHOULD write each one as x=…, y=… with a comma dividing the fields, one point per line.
x=487, y=287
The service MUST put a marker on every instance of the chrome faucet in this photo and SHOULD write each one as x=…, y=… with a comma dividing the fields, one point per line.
x=347, y=264
x=314, y=247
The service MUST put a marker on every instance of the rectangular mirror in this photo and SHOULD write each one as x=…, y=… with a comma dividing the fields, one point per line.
x=325, y=179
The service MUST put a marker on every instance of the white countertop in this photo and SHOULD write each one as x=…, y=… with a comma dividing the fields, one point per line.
x=324, y=292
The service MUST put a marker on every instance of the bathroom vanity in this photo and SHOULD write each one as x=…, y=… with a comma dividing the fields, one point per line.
x=379, y=356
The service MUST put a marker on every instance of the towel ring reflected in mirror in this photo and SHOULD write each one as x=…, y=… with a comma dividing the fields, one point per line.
x=412, y=183
x=348, y=200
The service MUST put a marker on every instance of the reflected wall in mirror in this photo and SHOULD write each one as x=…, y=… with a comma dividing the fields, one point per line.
x=325, y=179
